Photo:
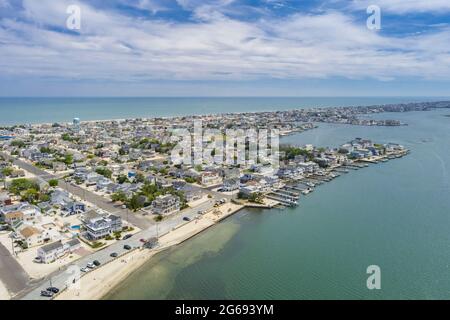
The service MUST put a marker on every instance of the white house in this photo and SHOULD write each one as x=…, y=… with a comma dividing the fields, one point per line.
x=53, y=251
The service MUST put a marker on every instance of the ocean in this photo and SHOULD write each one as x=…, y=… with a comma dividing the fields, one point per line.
x=48, y=110
x=395, y=215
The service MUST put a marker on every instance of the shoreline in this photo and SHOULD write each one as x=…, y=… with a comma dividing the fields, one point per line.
x=99, y=283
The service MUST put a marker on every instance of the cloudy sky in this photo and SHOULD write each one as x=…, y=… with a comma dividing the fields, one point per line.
x=224, y=48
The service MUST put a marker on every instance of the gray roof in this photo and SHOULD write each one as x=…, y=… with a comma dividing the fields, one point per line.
x=52, y=246
x=73, y=242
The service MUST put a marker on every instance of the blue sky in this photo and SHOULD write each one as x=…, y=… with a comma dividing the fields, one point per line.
x=224, y=48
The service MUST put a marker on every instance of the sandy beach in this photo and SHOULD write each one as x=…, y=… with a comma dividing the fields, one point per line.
x=4, y=294
x=98, y=283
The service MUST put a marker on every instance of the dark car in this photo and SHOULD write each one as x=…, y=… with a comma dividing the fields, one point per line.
x=187, y=219
x=128, y=236
x=47, y=294
x=53, y=289
x=127, y=247
x=96, y=263
x=114, y=255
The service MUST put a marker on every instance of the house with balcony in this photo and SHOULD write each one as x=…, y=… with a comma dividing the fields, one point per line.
x=210, y=178
x=99, y=226
x=166, y=204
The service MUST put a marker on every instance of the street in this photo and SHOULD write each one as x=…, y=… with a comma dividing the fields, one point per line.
x=59, y=279
x=11, y=272
x=97, y=200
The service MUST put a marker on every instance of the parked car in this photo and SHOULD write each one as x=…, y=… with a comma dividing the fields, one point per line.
x=143, y=240
x=187, y=219
x=90, y=265
x=127, y=247
x=47, y=294
x=84, y=269
x=128, y=236
x=114, y=255
x=96, y=263
x=53, y=289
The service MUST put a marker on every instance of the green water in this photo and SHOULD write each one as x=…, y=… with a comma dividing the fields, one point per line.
x=395, y=215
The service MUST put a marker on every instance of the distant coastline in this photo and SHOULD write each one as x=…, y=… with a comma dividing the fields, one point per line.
x=19, y=111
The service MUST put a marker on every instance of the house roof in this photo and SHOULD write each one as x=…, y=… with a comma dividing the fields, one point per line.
x=73, y=242
x=27, y=232
x=14, y=215
x=52, y=246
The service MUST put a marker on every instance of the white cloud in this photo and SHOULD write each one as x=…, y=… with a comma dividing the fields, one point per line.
x=407, y=6
x=114, y=47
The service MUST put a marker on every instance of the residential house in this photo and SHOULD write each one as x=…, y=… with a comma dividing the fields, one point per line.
x=13, y=217
x=231, y=184
x=165, y=205
x=99, y=226
x=53, y=251
x=210, y=178
x=31, y=236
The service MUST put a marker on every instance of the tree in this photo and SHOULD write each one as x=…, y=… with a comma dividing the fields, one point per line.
x=30, y=195
x=104, y=172
x=119, y=196
x=66, y=137
x=18, y=143
x=68, y=159
x=256, y=198
x=122, y=179
x=7, y=171
x=53, y=183
x=134, y=203
x=139, y=178
x=19, y=185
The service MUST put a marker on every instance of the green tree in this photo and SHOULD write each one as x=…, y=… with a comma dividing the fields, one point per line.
x=134, y=203
x=53, y=182
x=19, y=185
x=7, y=171
x=18, y=143
x=119, y=196
x=121, y=179
x=30, y=195
x=104, y=172
x=68, y=159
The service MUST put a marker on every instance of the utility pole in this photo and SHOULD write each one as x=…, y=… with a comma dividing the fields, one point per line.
x=12, y=247
x=157, y=231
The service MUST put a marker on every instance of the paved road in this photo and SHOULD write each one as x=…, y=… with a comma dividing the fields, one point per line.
x=99, y=201
x=149, y=229
x=107, y=205
x=60, y=278
x=11, y=272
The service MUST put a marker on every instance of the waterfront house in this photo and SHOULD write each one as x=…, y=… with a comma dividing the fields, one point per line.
x=210, y=178
x=192, y=194
x=99, y=226
x=309, y=167
x=165, y=205
x=231, y=184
